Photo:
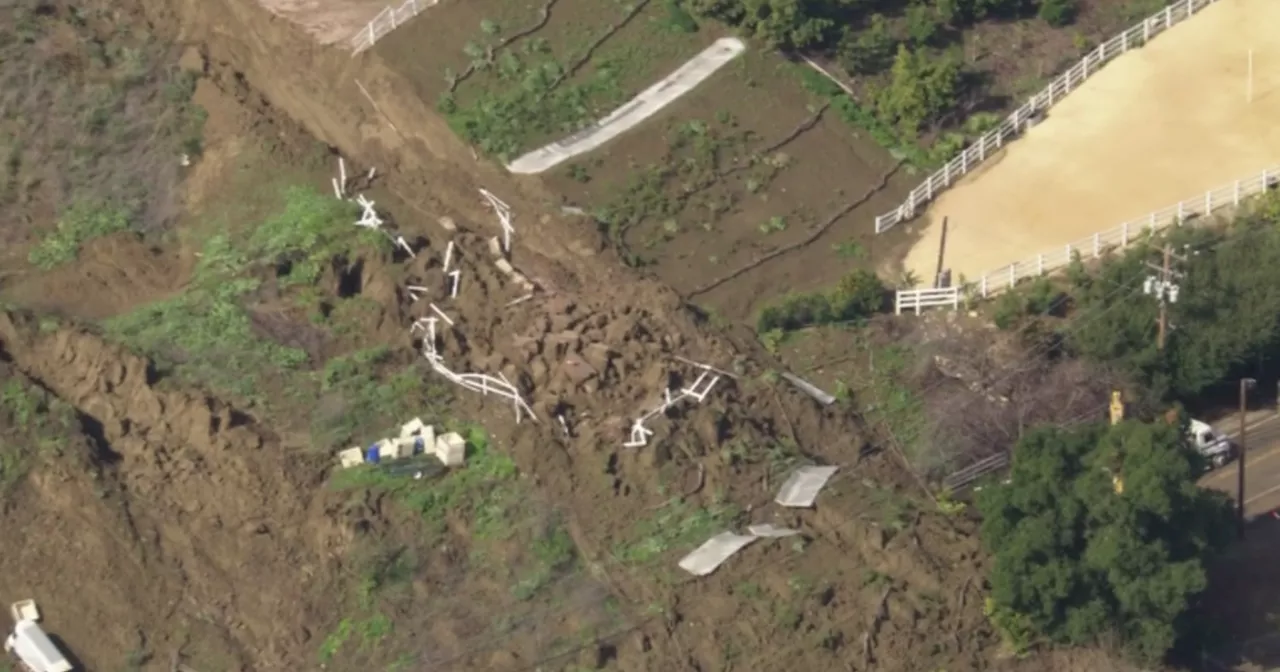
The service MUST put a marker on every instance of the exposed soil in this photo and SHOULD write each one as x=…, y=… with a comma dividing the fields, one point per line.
x=741, y=168
x=181, y=519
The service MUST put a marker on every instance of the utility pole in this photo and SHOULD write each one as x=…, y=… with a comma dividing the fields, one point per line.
x=1164, y=305
x=1245, y=385
x=1165, y=289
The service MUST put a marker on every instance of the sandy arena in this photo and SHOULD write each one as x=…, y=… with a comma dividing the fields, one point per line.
x=1156, y=126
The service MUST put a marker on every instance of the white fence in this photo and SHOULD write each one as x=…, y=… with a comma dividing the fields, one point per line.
x=1092, y=247
x=1026, y=115
x=386, y=21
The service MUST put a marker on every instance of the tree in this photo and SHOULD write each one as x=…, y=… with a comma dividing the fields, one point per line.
x=870, y=50
x=787, y=24
x=1226, y=320
x=921, y=88
x=1078, y=558
x=1058, y=13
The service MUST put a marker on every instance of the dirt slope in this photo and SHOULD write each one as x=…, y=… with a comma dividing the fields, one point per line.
x=210, y=520
x=182, y=491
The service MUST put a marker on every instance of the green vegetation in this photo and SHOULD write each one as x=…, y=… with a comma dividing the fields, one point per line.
x=1102, y=532
x=369, y=388
x=103, y=123
x=487, y=487
x=1039, y=298
x=1224, y=313
x=904, y=57
x=78, y=225
x=513, y=96
x=534, y=101
x=33, y=425
x=206, y=334
x=859, y=295
x=677, y=524
x=553, y=553
x=688, y=185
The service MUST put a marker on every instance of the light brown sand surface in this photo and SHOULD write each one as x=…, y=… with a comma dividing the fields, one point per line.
x=1156, y=126
x=329, y=21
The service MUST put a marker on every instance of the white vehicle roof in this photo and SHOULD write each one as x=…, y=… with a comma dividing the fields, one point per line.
x=36, y=649
x=1198, y=426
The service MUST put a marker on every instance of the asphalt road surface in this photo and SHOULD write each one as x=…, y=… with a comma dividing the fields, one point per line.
x=1262, y=464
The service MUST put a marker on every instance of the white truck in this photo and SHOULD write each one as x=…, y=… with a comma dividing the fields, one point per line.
x=1211, y=443
x=33, y=649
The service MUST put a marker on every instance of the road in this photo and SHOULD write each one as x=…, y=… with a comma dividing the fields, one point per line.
x=1262, y=465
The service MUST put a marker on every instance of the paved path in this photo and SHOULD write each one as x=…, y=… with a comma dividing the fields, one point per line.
x=683, y=80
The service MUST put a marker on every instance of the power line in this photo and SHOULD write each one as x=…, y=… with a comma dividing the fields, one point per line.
x=1078, y=323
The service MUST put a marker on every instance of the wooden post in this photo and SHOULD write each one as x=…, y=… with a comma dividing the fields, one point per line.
x=1164, y=286
x=942, y=249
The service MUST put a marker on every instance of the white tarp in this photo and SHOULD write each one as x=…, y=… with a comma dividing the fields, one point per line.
x=770, y=530
x=802, y=488
x=644, y=105
x=710, y=555
x=810, y=389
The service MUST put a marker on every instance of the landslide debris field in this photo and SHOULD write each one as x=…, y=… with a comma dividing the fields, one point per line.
x=191, y=327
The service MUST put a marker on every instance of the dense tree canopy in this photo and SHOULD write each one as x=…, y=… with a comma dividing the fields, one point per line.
x=1078, y=559
x=1225, y=320
x=816, y=24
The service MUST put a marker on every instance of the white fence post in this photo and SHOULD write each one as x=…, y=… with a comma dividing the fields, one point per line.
x=918, y=299
x=1019, y=119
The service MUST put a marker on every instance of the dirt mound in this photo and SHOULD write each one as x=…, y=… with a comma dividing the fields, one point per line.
x=198, y=519
x=185, y=495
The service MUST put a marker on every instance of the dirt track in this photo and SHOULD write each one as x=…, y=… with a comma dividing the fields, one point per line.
x=1156, y=126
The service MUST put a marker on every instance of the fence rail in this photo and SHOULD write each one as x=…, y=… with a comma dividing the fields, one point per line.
x=386, y=21
x=1228, y=196
x=1023, y=117
x=916, y=299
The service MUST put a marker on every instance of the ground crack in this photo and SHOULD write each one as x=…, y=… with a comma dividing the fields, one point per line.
x=881, y=184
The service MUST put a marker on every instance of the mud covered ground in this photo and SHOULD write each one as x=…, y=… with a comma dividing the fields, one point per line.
x=175, y=393
x=748, y=176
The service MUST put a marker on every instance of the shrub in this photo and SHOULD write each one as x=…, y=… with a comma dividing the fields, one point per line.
x=1058, y=12
x=921, y=88
x=678, y=19
x=867, y=51
x=77, y=226
x=860, y=294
